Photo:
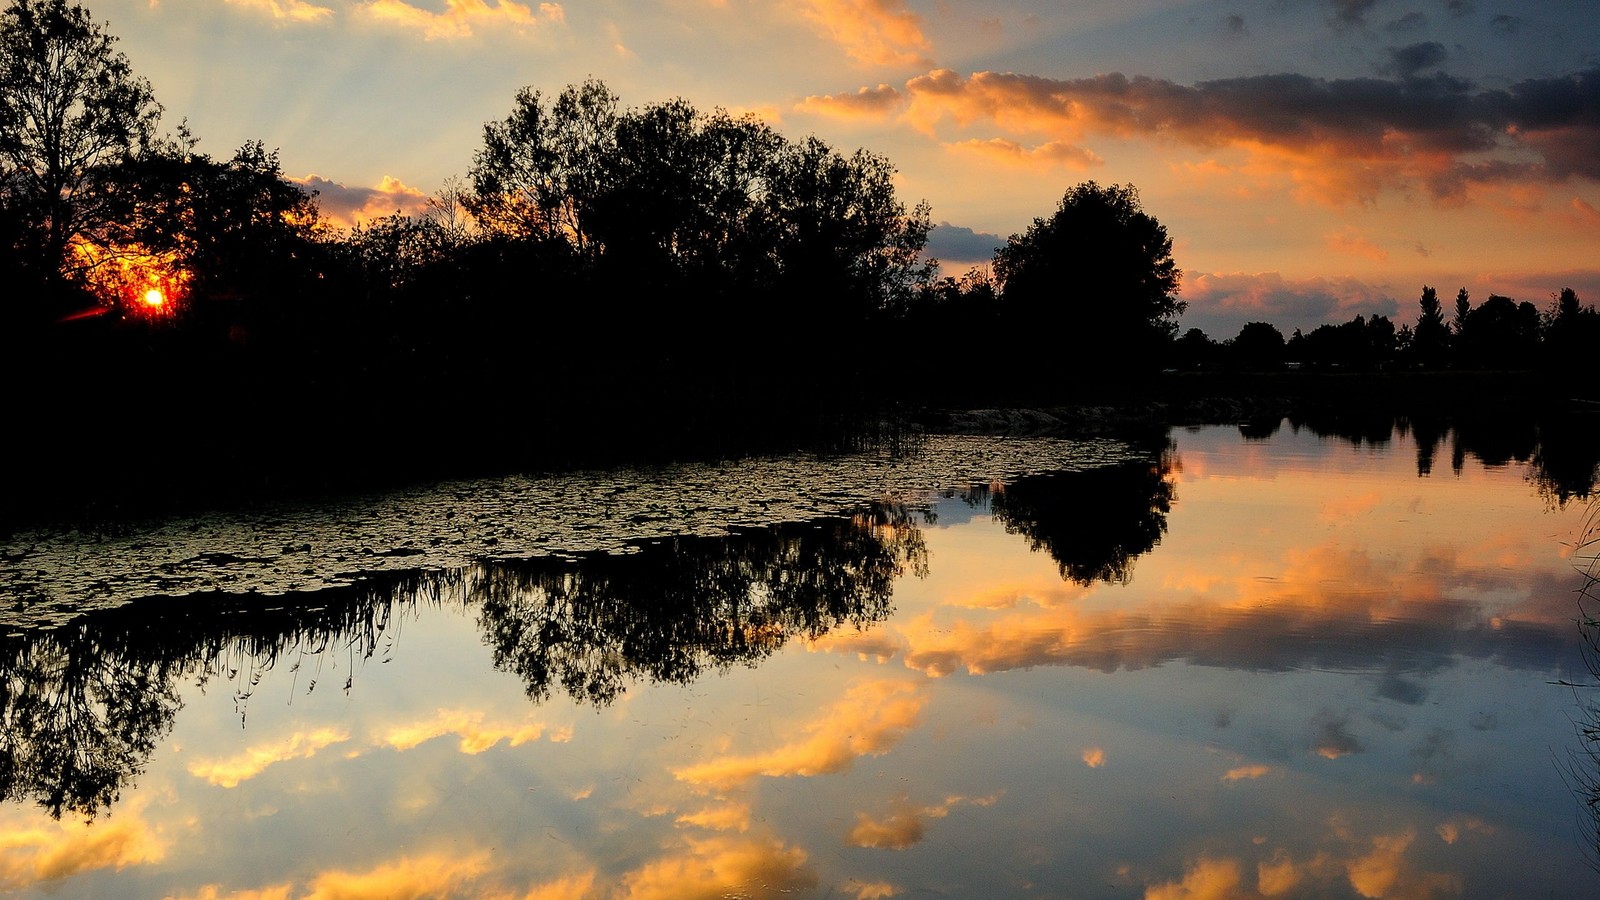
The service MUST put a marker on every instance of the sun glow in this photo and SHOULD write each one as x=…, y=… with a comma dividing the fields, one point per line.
x=132, y=278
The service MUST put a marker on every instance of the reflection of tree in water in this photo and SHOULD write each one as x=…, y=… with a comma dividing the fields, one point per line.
x=680, y=606
x=1094, y=524
x=83, y=706
x=1562, y=451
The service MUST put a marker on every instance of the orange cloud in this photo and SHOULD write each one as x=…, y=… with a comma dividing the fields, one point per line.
x=217, y=892
x=1383, y=872
x=1353, y=244
x=1052, y=153
x=875, y=890
x=344, y=206
x=871, y=718
x=286, y=10
x=1241, y=773
x=872, y=32
x=462, y=18
x=36, y=854
x=1339, y=139
x=1586, y=211
x=728, y=817
x=866, y=103
x=903, y=827
x=1094, y=757
x=468, y=725
x=1277, y=876
x=717, y=867
x=437, y=875
x=253, y=761
x=1206, y=879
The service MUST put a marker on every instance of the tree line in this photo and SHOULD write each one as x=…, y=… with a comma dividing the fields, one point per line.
x=1498, y=334
x=604, y=279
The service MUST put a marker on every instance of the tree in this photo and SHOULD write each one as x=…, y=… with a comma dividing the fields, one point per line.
x=1259, y=345
x=70, y=107
x=1097, y=275
x=1431, y=338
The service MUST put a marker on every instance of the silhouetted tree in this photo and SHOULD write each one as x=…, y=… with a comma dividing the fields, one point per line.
x=1463, y=307
x=1093, y=284
x=1430, y=340
x=1259, y=345
x=70, y=106
x=1196, y=350
x=1571, y=334
x=1500, y=332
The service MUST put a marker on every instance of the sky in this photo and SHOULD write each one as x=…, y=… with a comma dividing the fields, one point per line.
x=1312, y=160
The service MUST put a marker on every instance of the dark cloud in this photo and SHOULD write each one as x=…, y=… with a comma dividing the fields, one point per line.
x=1434, y=132
x=954, y=242
x=1409, y=60
x=1351, y=13
x=1504, y=24
x=1411, y=21
x=1459, y=8
x=1234, y=25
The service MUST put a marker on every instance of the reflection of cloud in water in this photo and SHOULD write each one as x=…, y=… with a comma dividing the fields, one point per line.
x=1394, y=619
x=904, y=825
x=1246, y=773
x=1334, y=740
x=1372, y=866
x=433, y=875
x=717, y=867
x=871, y=718
x=255, y=760
x=35, y=852
x=476, y=735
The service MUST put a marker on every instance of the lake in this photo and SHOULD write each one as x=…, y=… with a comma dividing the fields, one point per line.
x=1269, y=660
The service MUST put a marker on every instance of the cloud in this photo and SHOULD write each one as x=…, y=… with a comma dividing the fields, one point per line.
x=866, y=102
x=1586, y=211
x=1411, y=21
x=727, y=817
x=345, y=206
x=904, y=826
x=873, y=32
x=463, y=18
x=1051, y=153
x=875, y=890
x=1094, y=757
x=871, y=718
x=1351, y=13
x=948, y=241
x=1205, y=879
x=468, y=725
x=1243, y=773
x=254, y=760
x=1220, y=303
x=1351, y=243
x=37, y=854
x=1505, y=25
x=1341, y=139
x=286, y=10
x=720, y=866
x=1234, y=26
x=436, y=875
x=1413, y=58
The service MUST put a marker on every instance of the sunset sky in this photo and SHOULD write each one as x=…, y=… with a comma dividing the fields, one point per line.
x=1312, y=159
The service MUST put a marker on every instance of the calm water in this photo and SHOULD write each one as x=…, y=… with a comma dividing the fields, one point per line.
x=1204, y=666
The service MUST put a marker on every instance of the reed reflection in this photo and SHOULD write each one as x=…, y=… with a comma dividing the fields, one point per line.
x=84, y=706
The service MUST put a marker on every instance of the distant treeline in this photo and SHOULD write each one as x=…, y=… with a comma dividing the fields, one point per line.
x=1499, y=333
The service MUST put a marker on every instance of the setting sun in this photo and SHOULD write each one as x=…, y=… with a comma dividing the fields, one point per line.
x=154, y=297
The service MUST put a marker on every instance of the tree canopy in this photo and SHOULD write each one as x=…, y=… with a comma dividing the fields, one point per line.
x=1098, y=272
x=70, y=106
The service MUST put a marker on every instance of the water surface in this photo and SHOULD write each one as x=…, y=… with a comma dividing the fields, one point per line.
x=1228, y=662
